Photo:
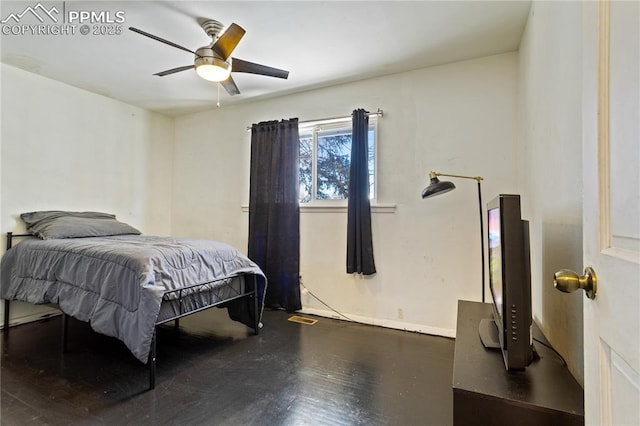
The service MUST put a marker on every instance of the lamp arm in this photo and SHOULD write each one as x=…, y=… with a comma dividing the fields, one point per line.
x=436, y=174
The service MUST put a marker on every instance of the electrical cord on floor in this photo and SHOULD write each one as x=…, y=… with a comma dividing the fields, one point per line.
x=552, y=348
x=307, y=291
x=321, y=301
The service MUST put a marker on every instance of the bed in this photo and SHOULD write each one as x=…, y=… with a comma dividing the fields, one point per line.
x=125, y=284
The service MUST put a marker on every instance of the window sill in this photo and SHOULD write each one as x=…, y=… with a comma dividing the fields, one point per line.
x=337, y=208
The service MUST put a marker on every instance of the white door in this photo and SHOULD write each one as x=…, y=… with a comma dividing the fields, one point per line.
x=611, y=210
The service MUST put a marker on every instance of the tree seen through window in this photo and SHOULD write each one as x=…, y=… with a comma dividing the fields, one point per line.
x=325, y=153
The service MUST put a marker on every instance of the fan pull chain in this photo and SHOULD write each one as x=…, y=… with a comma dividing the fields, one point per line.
x=218, y=103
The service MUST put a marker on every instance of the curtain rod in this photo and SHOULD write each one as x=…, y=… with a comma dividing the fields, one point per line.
x=378, y=113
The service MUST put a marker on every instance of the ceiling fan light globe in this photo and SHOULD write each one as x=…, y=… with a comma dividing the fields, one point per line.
x=213, y=72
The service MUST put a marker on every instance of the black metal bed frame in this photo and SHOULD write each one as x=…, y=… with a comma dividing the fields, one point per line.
x=175, y=296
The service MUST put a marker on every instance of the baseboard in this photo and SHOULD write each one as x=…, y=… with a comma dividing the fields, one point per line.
x=398, y=325
x=32, y=317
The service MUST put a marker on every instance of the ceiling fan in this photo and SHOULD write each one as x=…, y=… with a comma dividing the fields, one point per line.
x=214, y=62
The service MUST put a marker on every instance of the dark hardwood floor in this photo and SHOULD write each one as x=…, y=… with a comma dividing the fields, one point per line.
x=215, y=371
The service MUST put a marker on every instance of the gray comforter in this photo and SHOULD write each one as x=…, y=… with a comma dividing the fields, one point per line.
x=115, y=283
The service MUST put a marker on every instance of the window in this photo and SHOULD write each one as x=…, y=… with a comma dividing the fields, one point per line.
x=325, y=154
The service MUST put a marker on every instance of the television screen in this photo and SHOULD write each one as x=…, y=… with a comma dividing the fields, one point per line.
x=495, y=258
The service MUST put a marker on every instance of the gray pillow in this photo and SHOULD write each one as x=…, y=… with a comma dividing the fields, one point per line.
x=60, y=224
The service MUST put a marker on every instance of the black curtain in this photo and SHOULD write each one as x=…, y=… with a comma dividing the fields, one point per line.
x=359, y=239
x=274, y=214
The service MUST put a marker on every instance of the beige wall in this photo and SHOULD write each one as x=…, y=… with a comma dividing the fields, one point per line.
x=65, y=148
x=550, y=127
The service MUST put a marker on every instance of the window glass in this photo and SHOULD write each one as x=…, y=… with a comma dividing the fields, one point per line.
x=334, y=154
x=306, y=166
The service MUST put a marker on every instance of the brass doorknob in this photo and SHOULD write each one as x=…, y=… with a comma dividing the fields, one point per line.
x=569, y=281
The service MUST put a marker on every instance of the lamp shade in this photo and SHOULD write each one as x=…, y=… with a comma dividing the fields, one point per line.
x=436, y=187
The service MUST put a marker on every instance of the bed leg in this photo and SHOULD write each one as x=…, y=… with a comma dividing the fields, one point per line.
x=152, y=362
x=176, y=324
x=7, y=302
x=5, y=326
x=256, y=311
x=65, y=329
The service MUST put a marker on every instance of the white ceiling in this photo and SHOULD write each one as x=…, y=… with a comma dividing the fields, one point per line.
x=320, y=43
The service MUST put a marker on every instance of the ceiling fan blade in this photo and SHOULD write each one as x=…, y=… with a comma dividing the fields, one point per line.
x=228, y=41
x=239, y=65
x=230, y=86
x=174, y=70
x=161, y=40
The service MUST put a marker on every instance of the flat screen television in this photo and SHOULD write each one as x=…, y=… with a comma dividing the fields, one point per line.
x=510, y=283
